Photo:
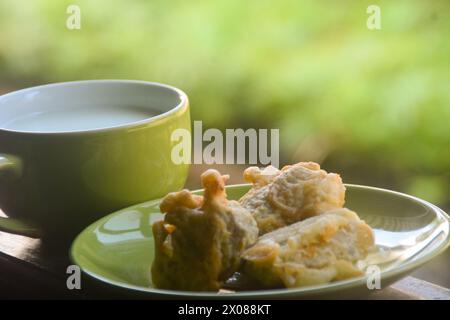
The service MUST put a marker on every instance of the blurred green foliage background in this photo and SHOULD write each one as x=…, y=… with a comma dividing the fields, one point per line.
x=371, y=104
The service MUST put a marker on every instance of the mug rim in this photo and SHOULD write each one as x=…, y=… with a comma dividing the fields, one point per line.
x=173, y=110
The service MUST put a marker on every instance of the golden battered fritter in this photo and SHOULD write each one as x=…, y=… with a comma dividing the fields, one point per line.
x=199, y=243
x=317, y=250
x=282, y=197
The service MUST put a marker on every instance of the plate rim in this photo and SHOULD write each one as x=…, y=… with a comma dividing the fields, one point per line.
x=283, y=292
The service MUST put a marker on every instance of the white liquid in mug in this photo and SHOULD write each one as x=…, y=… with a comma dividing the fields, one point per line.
x=78, y=119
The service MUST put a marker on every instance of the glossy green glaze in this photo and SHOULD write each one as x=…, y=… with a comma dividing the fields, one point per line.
x=69, y=179
x=118, y=249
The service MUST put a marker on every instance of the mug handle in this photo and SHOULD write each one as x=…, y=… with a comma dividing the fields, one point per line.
x=14, y=165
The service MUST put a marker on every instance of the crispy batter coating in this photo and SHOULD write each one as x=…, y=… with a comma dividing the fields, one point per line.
x=199, y=243
x=282, y=197
x=317, y=250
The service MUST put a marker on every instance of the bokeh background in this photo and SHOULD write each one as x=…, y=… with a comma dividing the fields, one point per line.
x=373, y=105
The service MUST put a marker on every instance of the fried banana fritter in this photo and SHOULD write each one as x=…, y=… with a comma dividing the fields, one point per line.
x=317, y=250
x=199, y=243
x=282, y=197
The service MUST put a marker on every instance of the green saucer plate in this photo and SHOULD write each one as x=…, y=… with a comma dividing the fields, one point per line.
x=118, y=249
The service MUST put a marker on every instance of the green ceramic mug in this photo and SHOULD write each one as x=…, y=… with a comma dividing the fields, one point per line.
x=73, y=152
